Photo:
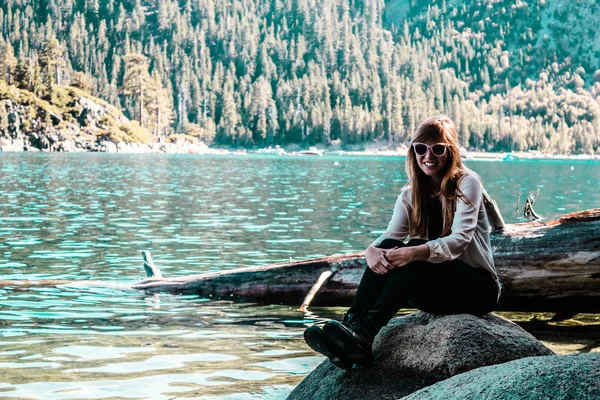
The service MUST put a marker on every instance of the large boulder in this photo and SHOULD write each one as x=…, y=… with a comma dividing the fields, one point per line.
x=419, y=350
x=555, y=377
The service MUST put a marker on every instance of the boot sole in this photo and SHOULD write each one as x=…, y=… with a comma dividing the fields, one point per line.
x=344, y=339
x=316, y=340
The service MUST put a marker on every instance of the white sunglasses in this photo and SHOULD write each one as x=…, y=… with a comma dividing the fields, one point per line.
x=438, y=149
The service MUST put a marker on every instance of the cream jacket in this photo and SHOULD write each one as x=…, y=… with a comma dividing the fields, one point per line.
x=470, y=237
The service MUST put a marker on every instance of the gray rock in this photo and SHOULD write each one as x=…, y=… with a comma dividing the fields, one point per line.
x=107, y=147
x=53, y=138
x=419, y=350
x=91, y=112
x=91, y=146
x=14, y=123
x=92, y=106
x=135, y=148
x=44, y=143
x=67, y=146
x=56, y=119
x=555, y=377
x=16, y=145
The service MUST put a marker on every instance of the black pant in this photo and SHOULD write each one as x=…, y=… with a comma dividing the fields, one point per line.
x=450, y=287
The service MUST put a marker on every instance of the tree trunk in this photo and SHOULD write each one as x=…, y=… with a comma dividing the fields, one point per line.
x=158, y=121
x=141, y=105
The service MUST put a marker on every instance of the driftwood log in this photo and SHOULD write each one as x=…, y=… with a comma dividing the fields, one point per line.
x=543, y=266
x=529, y=211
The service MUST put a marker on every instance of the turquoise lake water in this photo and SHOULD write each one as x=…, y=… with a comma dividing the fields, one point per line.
x=89, y=216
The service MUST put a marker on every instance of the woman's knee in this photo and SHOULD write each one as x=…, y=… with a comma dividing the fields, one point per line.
x=432, y=303
x=391, y=243
x=411, y=275
x=416, y=242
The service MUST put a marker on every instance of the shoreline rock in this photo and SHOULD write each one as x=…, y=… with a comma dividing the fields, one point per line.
x=418, y=350
x=575, y=376
x=107, y=146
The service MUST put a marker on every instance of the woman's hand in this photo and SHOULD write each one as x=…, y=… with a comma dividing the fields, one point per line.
x=376, y=260
x=382, y=261
x=399, y=256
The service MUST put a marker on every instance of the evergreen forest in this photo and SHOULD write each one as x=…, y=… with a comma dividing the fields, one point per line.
x=514, y=75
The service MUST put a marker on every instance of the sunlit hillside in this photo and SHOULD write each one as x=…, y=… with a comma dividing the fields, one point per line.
x=513, y=75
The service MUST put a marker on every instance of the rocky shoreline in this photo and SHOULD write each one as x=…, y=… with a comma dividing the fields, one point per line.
x=106, y=146
x=186, y=147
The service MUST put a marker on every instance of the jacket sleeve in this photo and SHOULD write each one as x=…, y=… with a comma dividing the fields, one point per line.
x=398, y=226
x=397, y=229
x=463, y=226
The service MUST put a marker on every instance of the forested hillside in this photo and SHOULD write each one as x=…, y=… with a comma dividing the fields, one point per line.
x=514, y=75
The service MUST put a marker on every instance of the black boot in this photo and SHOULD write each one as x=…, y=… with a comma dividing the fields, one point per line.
x=319, y=342
x=354, y=336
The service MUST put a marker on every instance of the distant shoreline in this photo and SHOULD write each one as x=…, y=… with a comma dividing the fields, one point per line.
x=482, y=155
x=535, y=155
x=295, y=150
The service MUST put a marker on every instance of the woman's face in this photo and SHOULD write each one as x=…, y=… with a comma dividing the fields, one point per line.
x=432, y=165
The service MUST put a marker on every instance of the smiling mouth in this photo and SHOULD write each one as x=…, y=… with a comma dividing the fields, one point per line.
x=429, y=164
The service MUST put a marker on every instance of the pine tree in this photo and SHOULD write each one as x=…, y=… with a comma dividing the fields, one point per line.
x=8, y=62
x=28, y=76
x=230, y=118
x=51, y=62
x=81, y=81
x=159, y=107
x=136, y=81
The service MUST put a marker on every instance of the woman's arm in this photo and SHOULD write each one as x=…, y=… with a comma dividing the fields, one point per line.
x=453, y=245
x=397, y=229
x=464, y=223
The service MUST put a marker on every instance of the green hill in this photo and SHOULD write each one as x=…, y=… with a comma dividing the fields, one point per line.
x=514, y=75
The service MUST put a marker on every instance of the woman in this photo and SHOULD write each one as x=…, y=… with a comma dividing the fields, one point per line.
x=445, y=268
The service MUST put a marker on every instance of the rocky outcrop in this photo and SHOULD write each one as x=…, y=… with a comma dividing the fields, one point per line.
x=555, y=377
x=91, y=113
x=419, y=350
x=29, y=124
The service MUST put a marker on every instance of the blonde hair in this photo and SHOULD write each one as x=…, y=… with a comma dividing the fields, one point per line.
x=438, y=129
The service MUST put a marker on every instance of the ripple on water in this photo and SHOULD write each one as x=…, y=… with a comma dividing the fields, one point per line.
x=292, y=366
x=60, y=255
x=86, y=353
x=159, y=387
x=159, y=363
